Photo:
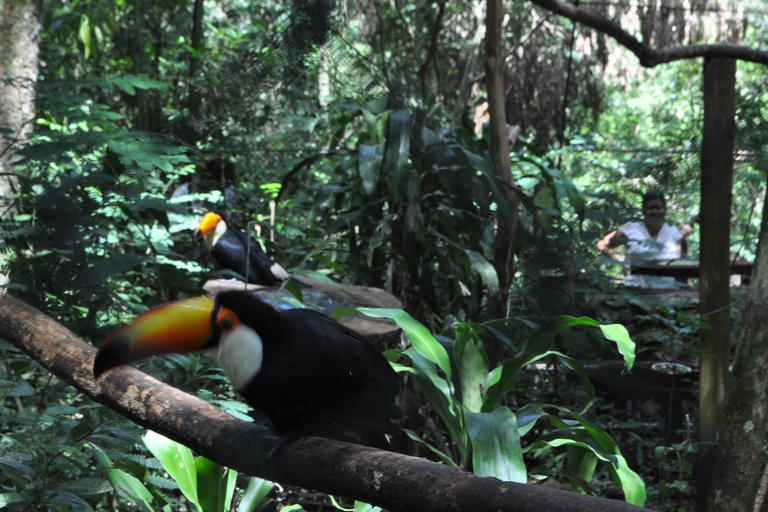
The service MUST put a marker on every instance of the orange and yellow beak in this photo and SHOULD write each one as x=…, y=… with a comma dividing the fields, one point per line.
x=181, y=326
x=207, y=225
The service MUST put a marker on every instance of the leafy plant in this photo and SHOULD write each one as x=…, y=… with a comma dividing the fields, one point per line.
x=207, y=485
x=487, y=435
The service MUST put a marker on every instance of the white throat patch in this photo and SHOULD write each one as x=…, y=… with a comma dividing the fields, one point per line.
x=211, y=238
x=240, y=353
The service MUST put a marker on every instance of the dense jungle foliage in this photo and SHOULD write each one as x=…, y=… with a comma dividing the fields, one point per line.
x=355, y=146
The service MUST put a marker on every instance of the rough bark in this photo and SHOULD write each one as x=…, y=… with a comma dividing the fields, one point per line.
x=650, y=57
x=504, y=242
x=739, y=453
x=714, y=289
x=390, y=480
x=20, y=27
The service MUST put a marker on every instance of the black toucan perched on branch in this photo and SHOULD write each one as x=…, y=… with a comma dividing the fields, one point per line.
x=305, y=372
x=235, y=251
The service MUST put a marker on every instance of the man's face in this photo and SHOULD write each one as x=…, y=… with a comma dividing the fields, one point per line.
x=654, y=211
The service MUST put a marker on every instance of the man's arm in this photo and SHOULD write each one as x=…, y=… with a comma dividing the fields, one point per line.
x=609, y=243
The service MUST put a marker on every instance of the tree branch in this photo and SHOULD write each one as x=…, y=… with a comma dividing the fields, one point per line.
x=390, y=480
x=650, y=57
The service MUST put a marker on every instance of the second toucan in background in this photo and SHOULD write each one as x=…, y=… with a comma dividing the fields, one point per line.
x=235, y=251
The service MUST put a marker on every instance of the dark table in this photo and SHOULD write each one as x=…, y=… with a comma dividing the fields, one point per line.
x=684, y=268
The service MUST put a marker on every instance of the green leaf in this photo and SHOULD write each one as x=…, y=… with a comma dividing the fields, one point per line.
x=496, y=449
x=7, y=498
x=595, y=439
x=126, y=485
x=396, y=156
x=369, y=163
x=472, y=364
x=442, y=456
x=13, y=389
x=177, y=460
x=421, y=339
x=434, y=388
x=619, y=335
x=215, y=485
x=539, y=344
x=124, y=84
x=484, y=268
x=582, y=464
x=255, y=497
x=84, y=35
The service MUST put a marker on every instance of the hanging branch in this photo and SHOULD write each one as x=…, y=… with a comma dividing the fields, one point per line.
x=650, y=57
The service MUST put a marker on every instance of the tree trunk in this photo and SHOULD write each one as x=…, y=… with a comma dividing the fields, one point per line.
x=19, y=26
x=739, y=455
x=504, y=242
x=716, y=184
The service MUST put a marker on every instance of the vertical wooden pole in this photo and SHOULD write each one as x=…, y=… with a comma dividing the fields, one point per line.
x=716, y=191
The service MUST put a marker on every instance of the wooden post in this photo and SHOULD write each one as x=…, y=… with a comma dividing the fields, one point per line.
x=716, y=191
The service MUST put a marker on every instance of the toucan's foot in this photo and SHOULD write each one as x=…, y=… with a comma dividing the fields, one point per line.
x=264, y=433
x=285, y=438
x=268, y=439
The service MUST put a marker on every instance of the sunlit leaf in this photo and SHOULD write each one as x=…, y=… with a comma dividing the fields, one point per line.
x=496, y=449
x=369, y=162
x=396, y=155
x=177, y=460
x=255, y=496
x=472, y=363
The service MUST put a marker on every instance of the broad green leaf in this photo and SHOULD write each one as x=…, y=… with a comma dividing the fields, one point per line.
x=582, y=464
x=421, y=339
x=215, y=485
x=328, y=263
x=576, y=366
x=127, y=486
x=538, y=344
x=619, y=335
x=15, y=388
x=84, y=34
x=369, y=163
x=434, y=388
x=177, y=460
x=442, y=456
x=124, y=84
x=594, y=438
x=396, y=156
x=484, y=268
x=372, y=123
x=255, y=497
x=496, y=449
x=472, y=364
x=7, y=498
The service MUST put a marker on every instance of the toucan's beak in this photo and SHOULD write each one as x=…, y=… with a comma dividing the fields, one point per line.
x=181, y=326
x=207, y=225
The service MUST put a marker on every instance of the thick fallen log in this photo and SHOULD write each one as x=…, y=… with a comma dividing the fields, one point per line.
x=393, y=481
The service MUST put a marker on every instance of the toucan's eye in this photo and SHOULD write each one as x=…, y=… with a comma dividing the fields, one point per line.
x=227, y=323
x=225, y=320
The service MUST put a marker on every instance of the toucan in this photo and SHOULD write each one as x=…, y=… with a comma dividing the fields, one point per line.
x=235, y=251
x=307, y=373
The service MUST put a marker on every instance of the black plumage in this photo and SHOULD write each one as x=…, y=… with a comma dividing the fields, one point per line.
x=317, y=376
